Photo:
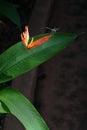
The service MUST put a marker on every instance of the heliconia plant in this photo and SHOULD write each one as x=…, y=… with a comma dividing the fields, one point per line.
x=23, y=56
x=20, y=58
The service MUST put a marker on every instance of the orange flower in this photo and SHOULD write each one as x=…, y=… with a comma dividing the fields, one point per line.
x=25, y=36
x=32, y=44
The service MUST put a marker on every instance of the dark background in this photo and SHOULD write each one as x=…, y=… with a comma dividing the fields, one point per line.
x=61, y=89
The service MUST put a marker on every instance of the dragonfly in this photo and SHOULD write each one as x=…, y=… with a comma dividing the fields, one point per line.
x=53, y=30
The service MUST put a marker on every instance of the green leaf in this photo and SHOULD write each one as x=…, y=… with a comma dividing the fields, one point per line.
x=18, y=60
x=22, y=109
x=3, y=108
x=8, y=10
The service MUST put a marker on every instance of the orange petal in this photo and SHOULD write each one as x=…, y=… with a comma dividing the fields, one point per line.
x=25, y=36
x=38, y=42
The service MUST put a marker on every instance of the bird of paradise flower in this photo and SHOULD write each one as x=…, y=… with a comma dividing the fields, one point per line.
x=25, y=38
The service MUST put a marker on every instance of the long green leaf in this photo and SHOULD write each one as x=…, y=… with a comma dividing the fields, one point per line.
x=18, y=60
x=3, y=108
x=8, y=10
x=22, y=109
